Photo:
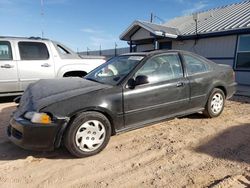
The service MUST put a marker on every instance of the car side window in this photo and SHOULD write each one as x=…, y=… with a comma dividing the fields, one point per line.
x=5, y=51
x=33, y=51
x=161, y=68
x=195, y=65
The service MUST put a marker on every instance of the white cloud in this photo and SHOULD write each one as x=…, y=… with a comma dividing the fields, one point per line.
x=180, y=1
x=169, y=1
x=52, y=2
x=5, y=2
x=90, y=30
x=11, y=6
x=195, y=7
x=95, y=37
x=105, y=42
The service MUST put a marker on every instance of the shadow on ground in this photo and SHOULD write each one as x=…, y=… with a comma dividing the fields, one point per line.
x=9, y=151
x=240, y=99
x=231, y=144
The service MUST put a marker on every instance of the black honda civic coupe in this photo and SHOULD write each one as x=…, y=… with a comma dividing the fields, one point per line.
x=127, y=92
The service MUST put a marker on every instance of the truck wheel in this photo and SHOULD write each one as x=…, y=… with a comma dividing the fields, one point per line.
x=88, y=134
x=215, y=103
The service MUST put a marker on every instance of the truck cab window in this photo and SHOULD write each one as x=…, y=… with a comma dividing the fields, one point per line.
x=5, y=51
x=33, y=51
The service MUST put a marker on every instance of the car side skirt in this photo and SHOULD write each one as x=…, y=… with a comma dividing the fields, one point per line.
x=157, y=120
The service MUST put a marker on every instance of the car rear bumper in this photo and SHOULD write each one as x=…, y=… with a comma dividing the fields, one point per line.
x=32, y=136
x=231, y=90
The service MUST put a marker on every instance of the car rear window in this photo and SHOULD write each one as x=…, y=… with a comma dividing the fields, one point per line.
x=33, y=51
x=5, y=51
x=195, y=65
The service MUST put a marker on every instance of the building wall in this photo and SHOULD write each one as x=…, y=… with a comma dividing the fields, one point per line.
x=218, y=49
x=144, y=47
x=141, y=34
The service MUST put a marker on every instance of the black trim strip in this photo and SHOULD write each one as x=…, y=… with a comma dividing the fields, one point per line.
x=215, y=34
x=220, y=58
x=155, y=106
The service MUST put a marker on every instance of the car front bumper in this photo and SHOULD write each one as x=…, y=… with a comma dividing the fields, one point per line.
x=31, y=136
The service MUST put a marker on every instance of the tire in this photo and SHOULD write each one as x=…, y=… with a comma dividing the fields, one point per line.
x=215, y=103
x=88, y=134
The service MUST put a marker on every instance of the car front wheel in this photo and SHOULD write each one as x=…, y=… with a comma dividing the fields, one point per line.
x=215, y=103
x=88, y=134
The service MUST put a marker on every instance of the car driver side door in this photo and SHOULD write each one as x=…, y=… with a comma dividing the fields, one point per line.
x=8, y=68
x=165, y=94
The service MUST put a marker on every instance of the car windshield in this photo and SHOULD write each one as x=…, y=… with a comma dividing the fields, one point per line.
x=114, y=70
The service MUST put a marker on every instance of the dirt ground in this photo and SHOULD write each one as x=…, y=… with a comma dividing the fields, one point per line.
x=184, y=152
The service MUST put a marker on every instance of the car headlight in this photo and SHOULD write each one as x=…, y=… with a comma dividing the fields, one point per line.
x=36, y=117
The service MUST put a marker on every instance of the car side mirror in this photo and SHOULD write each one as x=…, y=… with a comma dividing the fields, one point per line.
x=131, y=83
x=141, y=79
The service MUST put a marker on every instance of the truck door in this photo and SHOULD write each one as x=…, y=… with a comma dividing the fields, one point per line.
x=8, y=68
x=35, y=62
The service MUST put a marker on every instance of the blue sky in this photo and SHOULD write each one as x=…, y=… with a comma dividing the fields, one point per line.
x=89, y=23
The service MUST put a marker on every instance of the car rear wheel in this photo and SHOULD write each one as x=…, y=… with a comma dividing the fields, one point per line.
x=215, y=103
x=88, y=134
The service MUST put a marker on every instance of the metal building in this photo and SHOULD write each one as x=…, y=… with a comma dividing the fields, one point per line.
x=221, y=34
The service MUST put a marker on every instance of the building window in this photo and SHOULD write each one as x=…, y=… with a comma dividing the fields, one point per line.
x=165, y=45
x=243, y=53
x=33, y=51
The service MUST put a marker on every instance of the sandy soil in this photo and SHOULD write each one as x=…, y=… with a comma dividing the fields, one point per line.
x=185, y=152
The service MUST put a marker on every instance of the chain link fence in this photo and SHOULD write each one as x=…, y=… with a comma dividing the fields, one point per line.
x=107, y=53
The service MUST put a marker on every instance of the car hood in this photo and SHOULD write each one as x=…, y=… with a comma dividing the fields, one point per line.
x=45, y=92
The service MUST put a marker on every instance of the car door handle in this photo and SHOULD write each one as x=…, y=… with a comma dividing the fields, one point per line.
x=7, y=66
x=45, y=65
x=179, y=84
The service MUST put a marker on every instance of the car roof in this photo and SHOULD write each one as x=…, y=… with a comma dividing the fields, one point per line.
x=24, y=38
x=155, y=52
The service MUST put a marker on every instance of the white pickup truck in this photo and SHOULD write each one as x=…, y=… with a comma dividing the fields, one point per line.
x=26, y=60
